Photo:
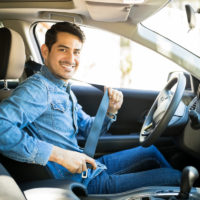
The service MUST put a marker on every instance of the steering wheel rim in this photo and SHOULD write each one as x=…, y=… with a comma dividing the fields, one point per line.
x=157, y=120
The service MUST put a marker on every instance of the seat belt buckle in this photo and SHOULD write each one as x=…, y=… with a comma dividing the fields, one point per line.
x=84, y=174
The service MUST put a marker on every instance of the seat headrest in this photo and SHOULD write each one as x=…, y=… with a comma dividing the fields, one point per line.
x=12, y=54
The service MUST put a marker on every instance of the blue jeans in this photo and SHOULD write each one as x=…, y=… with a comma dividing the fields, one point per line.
x=133, y=168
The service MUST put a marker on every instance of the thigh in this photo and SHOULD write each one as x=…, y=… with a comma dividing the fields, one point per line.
x=105, y=183
x=133, y=160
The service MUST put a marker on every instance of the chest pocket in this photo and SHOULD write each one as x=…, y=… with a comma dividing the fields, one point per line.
x=60, y=106
x=61, y=116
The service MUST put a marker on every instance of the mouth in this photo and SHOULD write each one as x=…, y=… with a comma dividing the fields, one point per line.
x=67, y=67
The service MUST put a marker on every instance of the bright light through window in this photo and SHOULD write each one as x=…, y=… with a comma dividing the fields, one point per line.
x=114, y=61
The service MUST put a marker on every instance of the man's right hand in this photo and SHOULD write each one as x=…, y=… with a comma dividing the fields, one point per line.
x=74, y=161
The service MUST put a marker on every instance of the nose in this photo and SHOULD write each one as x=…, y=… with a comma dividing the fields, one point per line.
x=71, y=58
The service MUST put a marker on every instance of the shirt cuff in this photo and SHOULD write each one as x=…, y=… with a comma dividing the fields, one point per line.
x=109, y=119
x=43, y=152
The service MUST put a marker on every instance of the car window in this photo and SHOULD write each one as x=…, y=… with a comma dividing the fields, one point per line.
x=115, y=61
x=171, y=22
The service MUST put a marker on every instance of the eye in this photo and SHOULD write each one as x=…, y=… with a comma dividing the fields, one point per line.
x=62, y=50
x=77, y=53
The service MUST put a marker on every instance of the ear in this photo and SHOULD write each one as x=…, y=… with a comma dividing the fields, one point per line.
x=44, y=51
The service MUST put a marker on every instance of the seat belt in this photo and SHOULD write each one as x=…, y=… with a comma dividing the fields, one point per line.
x=93, y=136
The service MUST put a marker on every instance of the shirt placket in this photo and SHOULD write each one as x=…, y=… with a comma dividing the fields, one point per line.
x=73, y=108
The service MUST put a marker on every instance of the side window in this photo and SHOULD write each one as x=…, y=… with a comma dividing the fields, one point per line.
x=112, y=60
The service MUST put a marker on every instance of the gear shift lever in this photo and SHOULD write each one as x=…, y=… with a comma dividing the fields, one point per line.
x=189, y=175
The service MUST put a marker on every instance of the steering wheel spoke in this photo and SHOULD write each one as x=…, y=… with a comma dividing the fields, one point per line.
x=162, y=110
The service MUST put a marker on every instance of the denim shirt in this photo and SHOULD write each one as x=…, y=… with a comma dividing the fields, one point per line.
x=45, y=106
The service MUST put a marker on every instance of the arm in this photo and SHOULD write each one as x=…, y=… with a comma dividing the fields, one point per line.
x=27, y=102
x=85, y=121
x=74, y=161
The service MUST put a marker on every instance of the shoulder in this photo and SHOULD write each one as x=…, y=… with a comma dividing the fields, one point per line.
x=34, y=86
x=36, y=81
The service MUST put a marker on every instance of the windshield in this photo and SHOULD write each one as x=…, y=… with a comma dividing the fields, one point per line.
x=172, y=23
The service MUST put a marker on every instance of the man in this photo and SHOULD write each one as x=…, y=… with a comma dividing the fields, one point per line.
x=45, y=107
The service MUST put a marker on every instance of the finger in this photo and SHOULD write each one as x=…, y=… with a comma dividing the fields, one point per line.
x=84, y=167
x=117, y=99
x=115, y=96
x=105, y=88
x=119, y=96
x=91, y=161
x=110, y=92
x=79, y=170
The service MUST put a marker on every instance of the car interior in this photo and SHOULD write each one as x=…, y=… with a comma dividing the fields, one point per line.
x=175, y=109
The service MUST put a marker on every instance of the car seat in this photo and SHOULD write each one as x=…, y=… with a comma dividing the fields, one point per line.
x=12, y=59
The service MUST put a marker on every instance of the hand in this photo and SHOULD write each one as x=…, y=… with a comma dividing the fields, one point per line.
x=74, y=161
x=116, y=100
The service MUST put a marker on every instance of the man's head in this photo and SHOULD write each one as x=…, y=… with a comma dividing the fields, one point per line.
x=61, y=51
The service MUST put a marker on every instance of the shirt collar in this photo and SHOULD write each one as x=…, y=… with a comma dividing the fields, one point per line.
x=58, y=82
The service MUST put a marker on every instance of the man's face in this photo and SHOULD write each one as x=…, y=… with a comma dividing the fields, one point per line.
x=63, y=59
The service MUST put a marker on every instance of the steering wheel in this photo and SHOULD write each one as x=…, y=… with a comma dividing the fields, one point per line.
x=162, y=110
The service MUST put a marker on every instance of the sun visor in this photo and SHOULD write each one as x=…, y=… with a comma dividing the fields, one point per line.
x=110, y=10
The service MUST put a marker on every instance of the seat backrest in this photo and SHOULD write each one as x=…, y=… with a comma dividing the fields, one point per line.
x=12, y=61
x=12, y=58
x=32, y=67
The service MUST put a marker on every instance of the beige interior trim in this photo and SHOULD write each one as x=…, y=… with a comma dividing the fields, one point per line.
x=17, y=56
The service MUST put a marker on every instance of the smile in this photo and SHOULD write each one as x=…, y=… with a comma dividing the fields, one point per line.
x=68, y=68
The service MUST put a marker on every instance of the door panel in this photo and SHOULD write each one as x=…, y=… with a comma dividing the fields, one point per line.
x=124, y=133
x=132, y=113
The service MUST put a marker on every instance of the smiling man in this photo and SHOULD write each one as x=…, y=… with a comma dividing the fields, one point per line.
x=41, y=119
x=62, y=58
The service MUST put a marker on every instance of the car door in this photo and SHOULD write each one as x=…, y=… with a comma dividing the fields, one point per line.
x=124, y=133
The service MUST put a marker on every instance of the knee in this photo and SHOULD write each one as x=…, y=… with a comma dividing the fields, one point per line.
x=153, y=151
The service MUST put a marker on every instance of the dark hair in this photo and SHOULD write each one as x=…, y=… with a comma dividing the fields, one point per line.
x=51, y=34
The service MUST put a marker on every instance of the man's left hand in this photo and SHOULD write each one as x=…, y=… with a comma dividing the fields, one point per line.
x=116, y=100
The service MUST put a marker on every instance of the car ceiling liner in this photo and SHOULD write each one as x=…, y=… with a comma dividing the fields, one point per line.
x=110, y=10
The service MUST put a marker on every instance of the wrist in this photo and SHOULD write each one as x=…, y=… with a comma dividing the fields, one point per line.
x=111, y=114
x=56, y=155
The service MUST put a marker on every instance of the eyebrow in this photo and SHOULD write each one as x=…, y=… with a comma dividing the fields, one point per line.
x=63, y=46
x=66, y=47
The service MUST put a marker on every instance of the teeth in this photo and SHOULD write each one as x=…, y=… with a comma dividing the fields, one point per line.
x=67, y=66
